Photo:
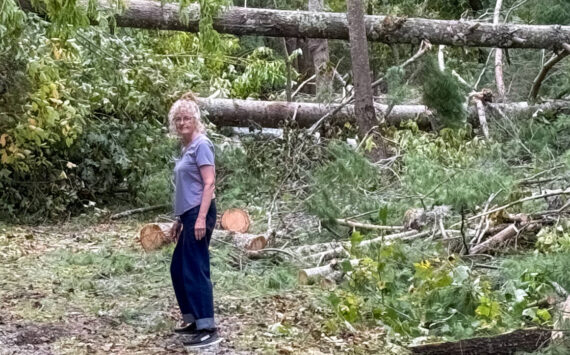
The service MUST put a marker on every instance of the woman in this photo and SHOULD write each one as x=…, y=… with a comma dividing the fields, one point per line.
x=194, y=176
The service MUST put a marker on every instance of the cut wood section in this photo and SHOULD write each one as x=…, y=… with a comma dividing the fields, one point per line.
x=304, y=24
x=349, y=223
x=154, y=235
x=311, y=275
x=235, y=220
x=504, y=344
x=496, y=240
x=273, y=114
x=250, y=242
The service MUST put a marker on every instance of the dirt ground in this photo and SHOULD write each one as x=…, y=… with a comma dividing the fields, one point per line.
x=79, y=289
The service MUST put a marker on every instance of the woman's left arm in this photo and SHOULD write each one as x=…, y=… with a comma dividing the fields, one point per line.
x=208, y=173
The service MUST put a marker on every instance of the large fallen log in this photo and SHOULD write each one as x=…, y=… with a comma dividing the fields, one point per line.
x=304, y=24
x=272, y=114
x=504, y=344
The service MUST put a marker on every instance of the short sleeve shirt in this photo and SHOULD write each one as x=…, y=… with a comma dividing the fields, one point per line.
x=189, y=185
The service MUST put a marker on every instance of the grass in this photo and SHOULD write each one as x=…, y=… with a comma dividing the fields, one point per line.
x=81, y=276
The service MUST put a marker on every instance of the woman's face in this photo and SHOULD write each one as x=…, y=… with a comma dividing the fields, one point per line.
x=185, y=123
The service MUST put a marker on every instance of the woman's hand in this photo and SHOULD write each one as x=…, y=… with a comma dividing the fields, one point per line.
x=200, y=228
x=175, y=231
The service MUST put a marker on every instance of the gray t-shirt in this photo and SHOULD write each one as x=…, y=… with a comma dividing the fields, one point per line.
x=189, y=185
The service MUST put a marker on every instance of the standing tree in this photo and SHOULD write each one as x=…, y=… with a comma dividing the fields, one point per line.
x=320, y=52
x=363, y=99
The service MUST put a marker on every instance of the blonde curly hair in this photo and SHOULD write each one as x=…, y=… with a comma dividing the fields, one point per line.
x=187, y=103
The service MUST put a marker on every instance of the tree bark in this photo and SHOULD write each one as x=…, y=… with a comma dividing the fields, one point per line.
x=272, y=114
x=363, y=95
x=504, y=344
x=496, y=240
x=364, y=100
x=537, y=83
x=304, y=24
x=499, y=56
x=307, y=276
x=320, y=52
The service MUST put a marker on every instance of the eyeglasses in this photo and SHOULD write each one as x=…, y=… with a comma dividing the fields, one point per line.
x=183, y=118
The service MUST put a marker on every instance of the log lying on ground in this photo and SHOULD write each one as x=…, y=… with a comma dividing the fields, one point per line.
x=235, y=220
x=504, y=344
x=349, y=223
x=498, y=239
x=304, y=24
x=310, y=275
x=272, y=114
x=154, y=235
x=139, y=210
x=327, y=251
x=250, y=242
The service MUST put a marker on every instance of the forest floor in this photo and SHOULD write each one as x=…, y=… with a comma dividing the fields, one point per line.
x=90, y=288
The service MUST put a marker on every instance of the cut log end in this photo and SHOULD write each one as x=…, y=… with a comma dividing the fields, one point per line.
x=250, y=242
x=235, y=220
x=154, y=235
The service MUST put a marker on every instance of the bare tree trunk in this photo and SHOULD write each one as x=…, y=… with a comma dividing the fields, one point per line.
x=499, y=56
x=272, y=114
x=320, y=52
x=363, y=97
x=303, y=24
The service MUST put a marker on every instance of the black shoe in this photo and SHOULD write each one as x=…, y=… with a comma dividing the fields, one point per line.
x=203, y=338
x=188, y=328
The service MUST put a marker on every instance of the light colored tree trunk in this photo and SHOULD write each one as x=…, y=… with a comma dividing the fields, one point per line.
x=304, y=24
x=499, y=56
x=271, y=114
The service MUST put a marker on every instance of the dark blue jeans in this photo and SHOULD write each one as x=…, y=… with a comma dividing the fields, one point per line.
x=190, y=270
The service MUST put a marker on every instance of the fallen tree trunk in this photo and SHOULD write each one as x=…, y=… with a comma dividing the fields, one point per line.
x=139, y=210
x=498, y=239
x=349, y=223
x=250, y=242
x=272, y=114
x=327, y=251
x=509, y=343
x=310, y=275
x=304, y=24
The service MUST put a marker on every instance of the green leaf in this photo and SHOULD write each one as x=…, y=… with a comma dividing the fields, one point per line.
x=383, y=215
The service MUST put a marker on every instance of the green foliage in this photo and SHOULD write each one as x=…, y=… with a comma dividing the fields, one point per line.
x=83, y=113
x=344, y=184
x=398, y=91
x=542, y=138
x=261, y=74
x=442, y=93
x=554, y=239
x=416, y=293
x=556, y=12
x=451, y=169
